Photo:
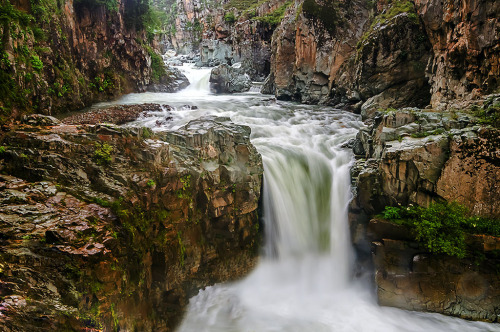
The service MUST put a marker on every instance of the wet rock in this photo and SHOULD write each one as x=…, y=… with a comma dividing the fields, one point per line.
x=119, y=114
x=407, y=276
x=227, y=79
x=174, y=81
x=154, y=217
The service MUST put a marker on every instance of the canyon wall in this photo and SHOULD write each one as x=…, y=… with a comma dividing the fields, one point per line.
x=59, y=56
x=414, y=158
x=106, y=228
x=366, y=56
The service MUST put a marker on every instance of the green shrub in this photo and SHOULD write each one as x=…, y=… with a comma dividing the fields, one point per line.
x=102, y=153
x=36, y=63
x=274, y=18
x=488, y=115
x=328, y=13
x=442, y=226
x=230, y=18
x=111, y=5
x=151, y=183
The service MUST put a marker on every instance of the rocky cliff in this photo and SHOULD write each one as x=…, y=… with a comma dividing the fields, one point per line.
x=367, y=56
x=227, y=31
x=63, y=55
x=414, y=158
x=110, y=228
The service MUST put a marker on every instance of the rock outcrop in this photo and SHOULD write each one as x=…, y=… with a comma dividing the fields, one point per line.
x=465, y=38
x=109, y=228
x=389, y=55
x=409, y=277
x=227, y=79
x=226, y=32
x=62, y=56
x=417, y=157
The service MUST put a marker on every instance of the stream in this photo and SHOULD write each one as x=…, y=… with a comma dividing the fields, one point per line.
x=304, y=280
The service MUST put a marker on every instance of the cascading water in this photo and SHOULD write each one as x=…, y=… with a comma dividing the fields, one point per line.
x=303, y=281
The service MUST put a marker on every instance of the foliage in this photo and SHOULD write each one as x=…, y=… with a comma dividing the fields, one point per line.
x=8, y=13
x=102, y=84
x=151, y=183
x=395, y=7
x=274, y=18
x=488, y=115
x=182, y=248
x=442, y=226
x=157, y=65
x=241, y=4
x=327, y=13
x=422, y=134
x=229, y=17
x=102, y=153
x=139, y=15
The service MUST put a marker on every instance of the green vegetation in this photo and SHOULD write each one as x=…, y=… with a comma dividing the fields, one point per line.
x=151, y=183
x=157, y=65
x=442, y=226
x=230, y=18
x=327, y=13
x=102, y=153
x=422, y=134
x=102, y=84
x=395, y=7
x=274, y=18
x=111, y=5
x=241, y=4
x=182, y=249
x=489, y=114
x=186, y=184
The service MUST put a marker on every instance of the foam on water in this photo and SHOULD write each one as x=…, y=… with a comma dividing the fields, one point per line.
x=303, y=281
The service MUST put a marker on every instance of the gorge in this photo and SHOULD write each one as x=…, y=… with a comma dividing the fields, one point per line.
x=357, y=192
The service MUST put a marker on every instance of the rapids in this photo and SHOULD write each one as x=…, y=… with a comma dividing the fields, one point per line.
x=304, y=280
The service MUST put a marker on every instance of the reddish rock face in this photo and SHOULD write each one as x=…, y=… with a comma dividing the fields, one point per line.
x=465, y=38
x=104, y=227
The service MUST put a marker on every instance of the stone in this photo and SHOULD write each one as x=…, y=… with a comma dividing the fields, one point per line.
x=162, y=219
x=227, y=79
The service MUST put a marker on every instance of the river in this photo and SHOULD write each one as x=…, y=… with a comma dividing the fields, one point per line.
x=304, y=280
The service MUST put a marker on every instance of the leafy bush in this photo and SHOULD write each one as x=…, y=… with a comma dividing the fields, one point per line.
x=275, y=17
x=102, y=153
x=488, y=115
x=327, y=13
x=230, y=18
x=111, y=5
x=36, y=63
x=157, y=65
x=442, y=226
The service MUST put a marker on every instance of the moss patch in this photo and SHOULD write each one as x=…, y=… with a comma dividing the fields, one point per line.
x=327, y=13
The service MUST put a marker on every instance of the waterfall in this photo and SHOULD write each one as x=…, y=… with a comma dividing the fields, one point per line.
x=198, y=78
x=303, y=282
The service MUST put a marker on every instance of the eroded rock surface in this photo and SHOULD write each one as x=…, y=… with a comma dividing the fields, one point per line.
x=416, y=157
x=105, y=227
x=409, y=277
x=226, y=79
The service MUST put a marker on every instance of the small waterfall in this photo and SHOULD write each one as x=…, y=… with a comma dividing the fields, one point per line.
x=198, y=78
x=256, y=87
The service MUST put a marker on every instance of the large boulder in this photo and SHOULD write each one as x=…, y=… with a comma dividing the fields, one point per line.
x=106, y=228
x=228, y=79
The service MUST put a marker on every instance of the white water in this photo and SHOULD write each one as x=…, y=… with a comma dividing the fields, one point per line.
x=303, y=282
